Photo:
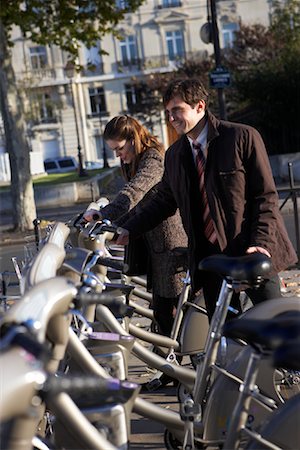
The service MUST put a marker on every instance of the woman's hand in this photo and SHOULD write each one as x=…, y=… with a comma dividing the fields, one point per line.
x=123, y=237
x=92, y=215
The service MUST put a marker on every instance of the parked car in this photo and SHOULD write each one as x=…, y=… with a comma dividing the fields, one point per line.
x=296, y=170
x=93, y=165
x=60, y=164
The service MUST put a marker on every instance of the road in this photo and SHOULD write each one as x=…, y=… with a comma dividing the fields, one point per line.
x=61, y=213
x=21, y=250
x=7, y=252
x=66, y=213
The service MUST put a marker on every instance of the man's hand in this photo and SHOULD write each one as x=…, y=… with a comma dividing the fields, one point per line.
x=258, y=250
x=92, y=215
x=123, y=237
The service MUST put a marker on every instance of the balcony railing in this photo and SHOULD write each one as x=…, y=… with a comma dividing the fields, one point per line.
x=44, y=122
x=48, y=120
x=127, y=65
x=97, y=115
x=155, y=62
x=45, y=73
x=93, y=69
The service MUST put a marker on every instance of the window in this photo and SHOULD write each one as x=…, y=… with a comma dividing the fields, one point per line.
x=92, y=56
x=50, y=165
x=128, y=50
x=38, y=57
x=60, y=164
x=133, y=95
x=170, y=3
x=45, y=107
x=175, y=44
x=68, y=162
x=122, y=4
x=228, y=32
x=97, y=100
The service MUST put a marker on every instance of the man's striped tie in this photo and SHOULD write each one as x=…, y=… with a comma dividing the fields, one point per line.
x=209, y=229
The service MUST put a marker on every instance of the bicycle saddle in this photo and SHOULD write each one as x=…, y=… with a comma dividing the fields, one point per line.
x=239, y=268
x=270, y=334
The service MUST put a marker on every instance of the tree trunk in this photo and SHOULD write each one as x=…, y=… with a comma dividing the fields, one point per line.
x=12, y=110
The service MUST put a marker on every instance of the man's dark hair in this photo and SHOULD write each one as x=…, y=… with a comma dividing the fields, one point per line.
x=190, y=90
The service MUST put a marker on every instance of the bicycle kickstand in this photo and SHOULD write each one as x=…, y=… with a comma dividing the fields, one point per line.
x=189, y=413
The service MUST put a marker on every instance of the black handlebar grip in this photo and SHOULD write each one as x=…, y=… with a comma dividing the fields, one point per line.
x=90, y=298
x=89, y=390
x=19, y=335
x=109, y=228
x=30, y=344
x=116, y=306
x=102, y=227
x=124, y=289
x=113, y=264
x=73, y=385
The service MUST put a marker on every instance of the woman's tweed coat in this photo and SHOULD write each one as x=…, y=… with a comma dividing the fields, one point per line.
x=167, y=269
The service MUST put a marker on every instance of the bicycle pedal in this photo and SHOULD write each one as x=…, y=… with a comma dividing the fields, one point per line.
x=153, y=385
x=150, y=370
x=190, y=412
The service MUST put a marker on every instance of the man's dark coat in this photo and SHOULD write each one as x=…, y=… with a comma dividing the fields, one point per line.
x=241, y=192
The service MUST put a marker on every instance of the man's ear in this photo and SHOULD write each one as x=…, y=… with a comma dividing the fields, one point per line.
x=201, y=106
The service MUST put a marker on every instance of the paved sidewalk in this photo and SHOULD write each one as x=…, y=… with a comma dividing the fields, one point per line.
x=146, y=433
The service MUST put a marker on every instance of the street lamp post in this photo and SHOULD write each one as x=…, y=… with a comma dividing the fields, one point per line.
x=70, y=72
x=104, y=153
x=216, y=42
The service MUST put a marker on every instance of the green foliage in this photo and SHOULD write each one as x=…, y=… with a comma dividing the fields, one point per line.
x=200, y=68
x=151, y=89
x=64, y=23
x=148, y=102
x=265, y=70
x=286, y=23
x=265, y=64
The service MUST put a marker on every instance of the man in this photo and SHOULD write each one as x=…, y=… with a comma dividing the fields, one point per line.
x=219, y=176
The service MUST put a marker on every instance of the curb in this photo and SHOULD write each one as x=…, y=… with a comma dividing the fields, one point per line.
x=65, y=194
x=9, y=240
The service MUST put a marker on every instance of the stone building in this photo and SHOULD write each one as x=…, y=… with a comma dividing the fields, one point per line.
x=64, y=112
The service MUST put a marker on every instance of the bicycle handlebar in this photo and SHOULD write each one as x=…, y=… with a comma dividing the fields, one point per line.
x=99, y=390
x=116, y=306
x=21, y=336
x=112, y=263
x=119, y=288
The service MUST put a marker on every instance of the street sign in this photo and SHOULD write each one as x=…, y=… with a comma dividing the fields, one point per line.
x=219, y=78
x=206, y=33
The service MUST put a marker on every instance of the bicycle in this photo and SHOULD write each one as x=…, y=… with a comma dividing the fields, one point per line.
x=277, y=339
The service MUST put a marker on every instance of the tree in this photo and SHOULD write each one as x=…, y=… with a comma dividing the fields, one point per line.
x=65, y=23
x=149, y=91
x=265, y=63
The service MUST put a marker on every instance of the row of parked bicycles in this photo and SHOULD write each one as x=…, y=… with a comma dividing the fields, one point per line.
x=66, y=339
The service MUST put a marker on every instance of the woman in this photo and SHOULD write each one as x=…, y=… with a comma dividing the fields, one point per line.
x=142, y=161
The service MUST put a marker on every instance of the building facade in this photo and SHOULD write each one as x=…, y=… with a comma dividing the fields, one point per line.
x=66, y=111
